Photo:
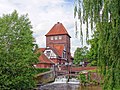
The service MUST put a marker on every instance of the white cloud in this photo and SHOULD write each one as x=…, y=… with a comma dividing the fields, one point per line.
x=43, y=15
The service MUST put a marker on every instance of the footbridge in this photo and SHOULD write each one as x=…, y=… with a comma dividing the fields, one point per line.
x=72, y=71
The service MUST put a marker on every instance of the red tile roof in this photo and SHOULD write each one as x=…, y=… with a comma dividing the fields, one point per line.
x=44, y=59
x=41, y=49
x=59, y=49
x=55, y=51
x=58, y=29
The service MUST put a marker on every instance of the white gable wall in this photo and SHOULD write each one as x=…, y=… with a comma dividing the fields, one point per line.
x=51, y=53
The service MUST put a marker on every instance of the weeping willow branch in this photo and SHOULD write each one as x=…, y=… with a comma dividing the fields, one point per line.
x=104, y=15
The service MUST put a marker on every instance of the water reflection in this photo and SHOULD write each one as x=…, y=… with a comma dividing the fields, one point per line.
x=66, y=86
x=90, y=88
x=63, y=86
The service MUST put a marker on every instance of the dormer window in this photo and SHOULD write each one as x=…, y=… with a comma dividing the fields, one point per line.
x=48, y=53
x=60, y=37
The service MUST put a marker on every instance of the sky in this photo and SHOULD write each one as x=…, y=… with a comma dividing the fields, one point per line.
x=43, y=14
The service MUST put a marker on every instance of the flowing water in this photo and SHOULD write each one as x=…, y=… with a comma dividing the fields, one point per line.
x=66, y=86
x=61, y=84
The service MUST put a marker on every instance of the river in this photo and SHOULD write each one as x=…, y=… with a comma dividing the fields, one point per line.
x=66, y=86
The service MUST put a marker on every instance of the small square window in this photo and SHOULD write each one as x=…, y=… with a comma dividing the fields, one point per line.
x=60, y=37
x=48, y=53
x=56, y=37
x=51, y=38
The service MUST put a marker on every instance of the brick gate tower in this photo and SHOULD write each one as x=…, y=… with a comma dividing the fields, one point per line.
x=59, y=39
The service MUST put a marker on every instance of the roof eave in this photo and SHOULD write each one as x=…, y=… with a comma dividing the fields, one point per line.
x=57, y=34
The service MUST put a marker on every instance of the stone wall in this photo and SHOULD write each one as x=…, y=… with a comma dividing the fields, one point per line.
x=45, y=77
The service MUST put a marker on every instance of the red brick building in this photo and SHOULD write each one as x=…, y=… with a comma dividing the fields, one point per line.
x=44, y=61
x=57, y=49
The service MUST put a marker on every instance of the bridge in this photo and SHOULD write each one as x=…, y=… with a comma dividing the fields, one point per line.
x=72, y=71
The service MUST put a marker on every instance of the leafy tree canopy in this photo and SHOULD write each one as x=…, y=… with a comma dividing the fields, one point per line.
x=80, y=55
x=93, y=52
x=16, y=53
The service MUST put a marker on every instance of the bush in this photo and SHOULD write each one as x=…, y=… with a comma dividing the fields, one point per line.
x=41, y=70
x=82, y=78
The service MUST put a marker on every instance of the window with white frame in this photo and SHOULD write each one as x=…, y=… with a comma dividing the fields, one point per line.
x=51, y=38
x=60, y=37
x=56, y=37
x=48, y=53
x=64, y=54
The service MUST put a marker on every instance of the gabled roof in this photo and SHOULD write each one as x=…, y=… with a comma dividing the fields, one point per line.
x=58, y=29
x=41, y=49
x=44, y=59
x=59, y=49
x=54, y=50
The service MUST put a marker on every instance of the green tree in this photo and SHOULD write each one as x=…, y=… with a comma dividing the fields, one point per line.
x=93, y=52
x=16, y=53
x=80, y=55
x=104, y=15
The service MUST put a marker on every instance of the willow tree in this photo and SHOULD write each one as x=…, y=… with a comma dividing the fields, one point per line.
x=104, y=16
x=16, y=53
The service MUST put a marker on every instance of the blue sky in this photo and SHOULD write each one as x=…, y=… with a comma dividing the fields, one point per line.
x=43, y=15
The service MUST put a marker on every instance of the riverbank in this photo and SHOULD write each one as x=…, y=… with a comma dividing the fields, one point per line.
x=44, y=78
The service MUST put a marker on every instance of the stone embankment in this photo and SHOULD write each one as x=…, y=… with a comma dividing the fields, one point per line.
x=46, y=77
